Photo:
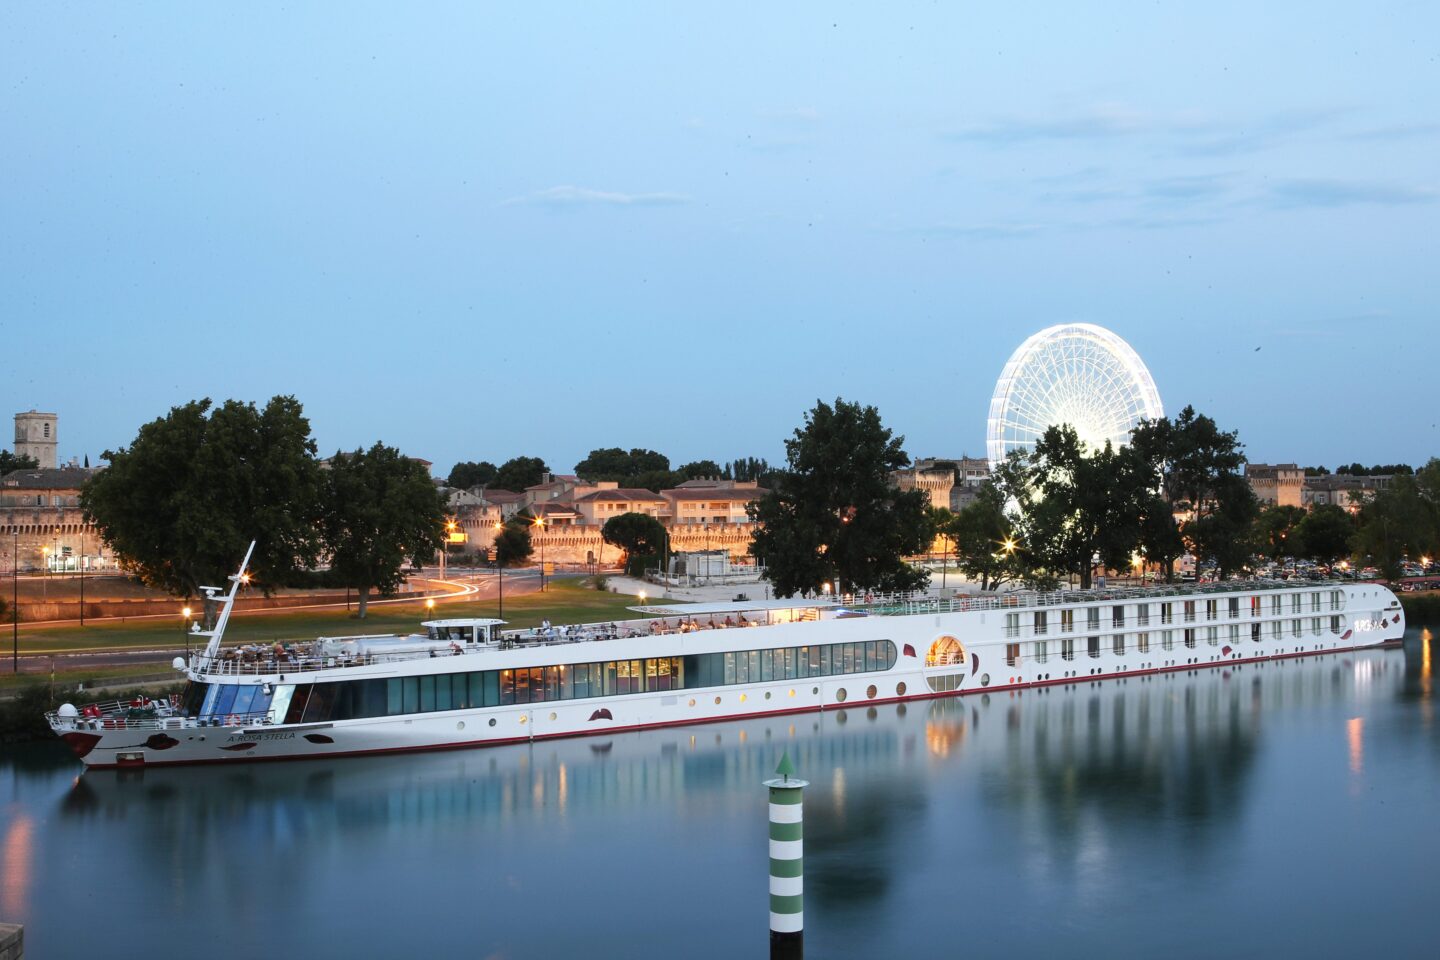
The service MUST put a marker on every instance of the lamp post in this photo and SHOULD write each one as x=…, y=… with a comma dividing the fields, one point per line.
x=15, y=600
x=499, y=570
x=540, y=522
x=44, y=573
x=445, y=545
x=185, y=627
x=82, y=580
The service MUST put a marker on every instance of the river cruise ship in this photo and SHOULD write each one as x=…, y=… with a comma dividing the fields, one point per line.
x=472, y=683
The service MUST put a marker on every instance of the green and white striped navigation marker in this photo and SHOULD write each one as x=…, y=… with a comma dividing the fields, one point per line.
x=787, y=863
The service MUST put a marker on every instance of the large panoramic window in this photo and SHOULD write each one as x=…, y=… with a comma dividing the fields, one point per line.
x=393, y=696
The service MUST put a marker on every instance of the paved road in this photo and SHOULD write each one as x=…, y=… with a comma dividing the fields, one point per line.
x=485, y=587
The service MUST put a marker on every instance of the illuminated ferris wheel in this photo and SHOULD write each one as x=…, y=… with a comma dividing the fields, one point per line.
x=1075, y=373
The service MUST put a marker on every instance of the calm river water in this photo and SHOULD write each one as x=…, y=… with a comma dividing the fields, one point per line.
x=1288, y=809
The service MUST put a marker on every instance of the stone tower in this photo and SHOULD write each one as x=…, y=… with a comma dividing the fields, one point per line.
x=36, y=436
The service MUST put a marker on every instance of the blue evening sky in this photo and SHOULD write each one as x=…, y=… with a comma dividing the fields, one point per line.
x=476, y=231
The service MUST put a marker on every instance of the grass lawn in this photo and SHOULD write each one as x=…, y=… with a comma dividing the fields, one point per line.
x=565, y=601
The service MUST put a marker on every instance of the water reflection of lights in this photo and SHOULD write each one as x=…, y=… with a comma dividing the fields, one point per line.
x=943, y=736
x=1355, y=735
x=15, y=867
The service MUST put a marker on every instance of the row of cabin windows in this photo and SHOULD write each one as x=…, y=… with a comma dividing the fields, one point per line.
x=355, y=699
x=1190, y=637
x=1190, y=611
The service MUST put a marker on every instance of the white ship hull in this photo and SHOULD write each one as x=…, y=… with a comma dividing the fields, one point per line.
x=995, y=647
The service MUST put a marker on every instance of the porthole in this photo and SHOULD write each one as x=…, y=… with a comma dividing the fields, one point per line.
x=492, y=721
x=870, y=692
x=524, y=718
x=460, y=725
x=984, y=679
x=744, y=697
x=814, y=689
x=717, y=701
x=767, y=694
x=840, y=695
x=792, y=693
x=900, y=689
x=692, y=701
x=552, y=716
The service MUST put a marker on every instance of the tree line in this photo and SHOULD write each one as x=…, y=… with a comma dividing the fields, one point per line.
x=637, y=468
x=181, y=503
x=1059, y=511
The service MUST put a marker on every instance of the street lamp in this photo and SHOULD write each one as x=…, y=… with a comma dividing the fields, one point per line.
x=15, y=600
x=445, y=544
x=44, y=573
x=540, y=522
x=185, y=627
x=499, y=570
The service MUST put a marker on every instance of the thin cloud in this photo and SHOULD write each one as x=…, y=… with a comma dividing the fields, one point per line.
x=1189, y=188
x=1103, y=122
x=1397, y=131
x=1186, y=133
x=1254, y=135
x=572, y=196
x=977, y=231
x=1345, y=193
x=804, y=115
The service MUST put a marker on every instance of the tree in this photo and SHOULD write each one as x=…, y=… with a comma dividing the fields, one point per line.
x=1326, y=531
x=834, y=515
x=641, y=537
x=700, y=469
x=14, y=461
x=1223, y=532
x=517, y=473
x=467, y=474
x=1087, y=505
x=512, y=543
x=1160, y=540
x=613, y=463
x=985, y=539
x=380, y=509
x=181, y=504
x=1197, y=466
x=747, y=469
x=1401, y=522
x=638, y=468
x=1278, y=532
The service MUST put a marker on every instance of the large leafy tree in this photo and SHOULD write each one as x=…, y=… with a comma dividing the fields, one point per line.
x=468, y=473
x=1279, y=532
x=182, y=502
x=1197, y=468
x=1087, y=506
x=985, y=539
x=380, y=509
x=14, y=461
x=1326, y=531
x=698, y=469
x=641, y=537
x=512, y=544
x=517, y=473
x=1402, y=521
x=833, y=515
x=638, y=467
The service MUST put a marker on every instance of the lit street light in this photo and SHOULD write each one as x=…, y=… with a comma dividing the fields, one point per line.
x=185, y=626
x=540, y=522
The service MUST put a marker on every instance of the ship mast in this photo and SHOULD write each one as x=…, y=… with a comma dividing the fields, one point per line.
x=228, y=601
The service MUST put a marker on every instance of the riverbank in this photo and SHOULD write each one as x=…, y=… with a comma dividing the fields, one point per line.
x=1421, y=607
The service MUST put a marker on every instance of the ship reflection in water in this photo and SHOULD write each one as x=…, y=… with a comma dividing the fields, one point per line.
x=1121, y=817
